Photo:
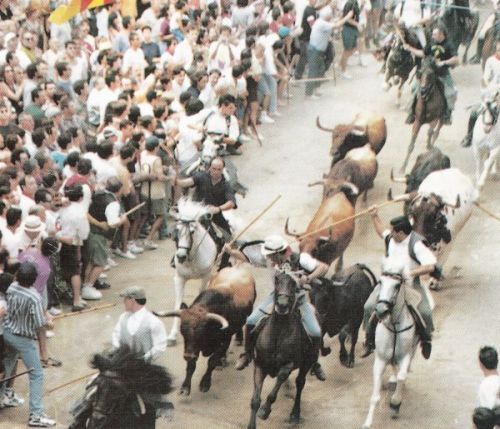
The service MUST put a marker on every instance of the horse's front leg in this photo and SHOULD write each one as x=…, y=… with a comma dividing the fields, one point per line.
x=414, y=135
x=397, y=396
x=214, y=361
x=283, y=374
x=487, y=166
x=179, y=283
x=378, y=371
x=299, y=384
x=186, y=384
x=258, y=381
x=436, y=128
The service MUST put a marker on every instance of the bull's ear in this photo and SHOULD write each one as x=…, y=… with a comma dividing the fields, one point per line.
x=184, y=306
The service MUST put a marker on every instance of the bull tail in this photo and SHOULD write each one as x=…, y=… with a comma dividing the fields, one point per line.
x=368, y=273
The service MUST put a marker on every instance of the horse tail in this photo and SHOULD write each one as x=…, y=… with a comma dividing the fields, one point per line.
x=368, y=273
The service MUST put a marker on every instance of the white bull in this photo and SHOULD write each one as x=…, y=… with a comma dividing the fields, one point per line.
x=441, y=208
x=486, y=143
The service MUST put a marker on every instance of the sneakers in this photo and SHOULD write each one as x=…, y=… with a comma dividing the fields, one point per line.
x=276, y=114
x=53, y=311
x=112, y=262
x=49, y=333
x=244, y=138
x=149, y=245
x=10, y=398
x=312, y=97
x=101, y=284
x=79, y=307
x=134, y=248
x=127, y=255
x=346, y=75
x=90, y=293
x=266, y=119
x=103, y=276
x=40, y=421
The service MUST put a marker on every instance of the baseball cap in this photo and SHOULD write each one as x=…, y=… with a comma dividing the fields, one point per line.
x=135, y=292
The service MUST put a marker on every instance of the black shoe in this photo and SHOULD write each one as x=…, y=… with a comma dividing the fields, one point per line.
x=426, y=349
x=100, y=285
x=467, y=141
x=410, y=119
x=318, y=371
x=243, y=361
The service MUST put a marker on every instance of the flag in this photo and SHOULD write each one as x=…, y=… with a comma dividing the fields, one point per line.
x=65, y=12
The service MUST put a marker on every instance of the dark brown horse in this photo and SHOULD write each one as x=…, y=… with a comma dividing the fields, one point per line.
x=430, y=106
x=281, y=346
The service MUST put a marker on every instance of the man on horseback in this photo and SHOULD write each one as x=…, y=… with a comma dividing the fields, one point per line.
x=493, y=21
x=409, y=249
x=212, y=189
x=414, y=14
x=491, y=82
x=445, y=57
x=279, y=256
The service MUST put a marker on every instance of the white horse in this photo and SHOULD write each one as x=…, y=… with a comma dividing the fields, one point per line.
x=486, y=142
x=195, y=254
x=395, y=339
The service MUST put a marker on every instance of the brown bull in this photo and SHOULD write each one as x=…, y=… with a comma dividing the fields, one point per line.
x=210, y=322
x=365, y=128
x=330, y=243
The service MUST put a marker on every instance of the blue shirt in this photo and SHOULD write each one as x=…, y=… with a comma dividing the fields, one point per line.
x=320, y=34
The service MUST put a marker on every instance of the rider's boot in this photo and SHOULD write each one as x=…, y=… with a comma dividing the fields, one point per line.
x=467, y=141
x=476, y=59
x=370, y=337
x=316, y=368
x=246, y=357
x=426, y=343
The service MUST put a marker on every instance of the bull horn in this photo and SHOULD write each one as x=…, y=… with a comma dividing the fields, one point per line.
x=321, y=127
x=319, y=182
x=397, y=179
x=457, y=203
x=287, y=232
x=176, y=313
x=402, y=197
x=218, y=318
x=142, y=406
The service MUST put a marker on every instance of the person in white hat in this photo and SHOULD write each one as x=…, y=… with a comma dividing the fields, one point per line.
x=279, y=256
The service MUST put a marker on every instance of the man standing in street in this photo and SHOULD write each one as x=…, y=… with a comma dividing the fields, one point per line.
x=24, y=323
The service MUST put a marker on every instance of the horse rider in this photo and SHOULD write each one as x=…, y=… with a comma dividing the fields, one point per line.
x=222, y=125
x=277, y=254
x=211, y=188
x=414, y=14
x=410, y=251
x=492, y=21
x=445, y=57
x=144, y=334
x=491, y=82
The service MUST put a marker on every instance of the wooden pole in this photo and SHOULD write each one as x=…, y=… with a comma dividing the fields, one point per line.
x=83, y=377
x=487, y=211
x=361, y=213
x=134, y=209
x=255, y=219
x=88, y=310
x=313, y=79
x=15, y=376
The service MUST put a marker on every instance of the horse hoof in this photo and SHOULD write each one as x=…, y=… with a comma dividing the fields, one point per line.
x=171, y=342
x=263, y=413
x=350, y=363
x=294, y=419
x=185, y=391
x=395, y=410
x=205, y=386
x=391, y=386
x=325, y=351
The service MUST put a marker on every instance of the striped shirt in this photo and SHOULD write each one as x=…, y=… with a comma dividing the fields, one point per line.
x=25, y=312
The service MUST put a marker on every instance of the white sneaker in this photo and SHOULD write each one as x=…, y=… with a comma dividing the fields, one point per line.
x=107, y=267
x=10, y=398
x=112, y=262
x=149, y=245
x=53, y=311
x=244, y=138
x=347, y=76
x=91, y=293
x=276, y=114
x=312, y=97
x=134, y=248
x=103, y=276
x=40, y=421
x=49, y=333
x=127, y=255
x=266, y=119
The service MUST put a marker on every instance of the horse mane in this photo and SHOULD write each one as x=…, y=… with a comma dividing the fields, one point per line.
x=136, y=373
x=389, y=266
x=190, y=210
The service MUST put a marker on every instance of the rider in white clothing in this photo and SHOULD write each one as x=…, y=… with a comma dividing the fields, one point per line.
x=414, y=14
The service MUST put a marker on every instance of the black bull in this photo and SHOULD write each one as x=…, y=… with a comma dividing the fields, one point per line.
x=340, y=305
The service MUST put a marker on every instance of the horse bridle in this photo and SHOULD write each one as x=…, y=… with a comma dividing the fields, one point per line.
x=186, y=225
x=400, y=280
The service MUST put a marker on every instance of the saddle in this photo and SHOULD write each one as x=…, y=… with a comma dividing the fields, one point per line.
x=412, y=299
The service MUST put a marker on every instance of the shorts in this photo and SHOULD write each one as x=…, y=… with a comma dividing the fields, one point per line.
x=252, y=90
x=158, y=206
x=70, y=261
x=130, y=201
x=349, y=37
x=95, y=250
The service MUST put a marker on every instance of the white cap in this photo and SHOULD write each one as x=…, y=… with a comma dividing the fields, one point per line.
x=274, y=244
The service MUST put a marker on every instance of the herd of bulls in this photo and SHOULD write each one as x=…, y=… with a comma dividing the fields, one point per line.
x=438, y=200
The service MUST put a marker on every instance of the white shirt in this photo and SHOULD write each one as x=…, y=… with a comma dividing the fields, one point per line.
x=400, y=257
x=157, y=328
x=488, y=394
x=491, y=74
x=25, y=204
x=9, y=241
x=74, y=223
x=183, y=55
x=217, y=123
x=412, y=12
x=133, y=58
x=106, y=96
x=104, y=169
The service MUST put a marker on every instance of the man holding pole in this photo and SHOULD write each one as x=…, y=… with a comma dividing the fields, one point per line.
x=409, y=249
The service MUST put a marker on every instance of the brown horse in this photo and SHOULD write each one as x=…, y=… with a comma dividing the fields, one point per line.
x=430, y=106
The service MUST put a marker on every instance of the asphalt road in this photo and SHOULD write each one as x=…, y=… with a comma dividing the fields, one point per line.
x=440, y=393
